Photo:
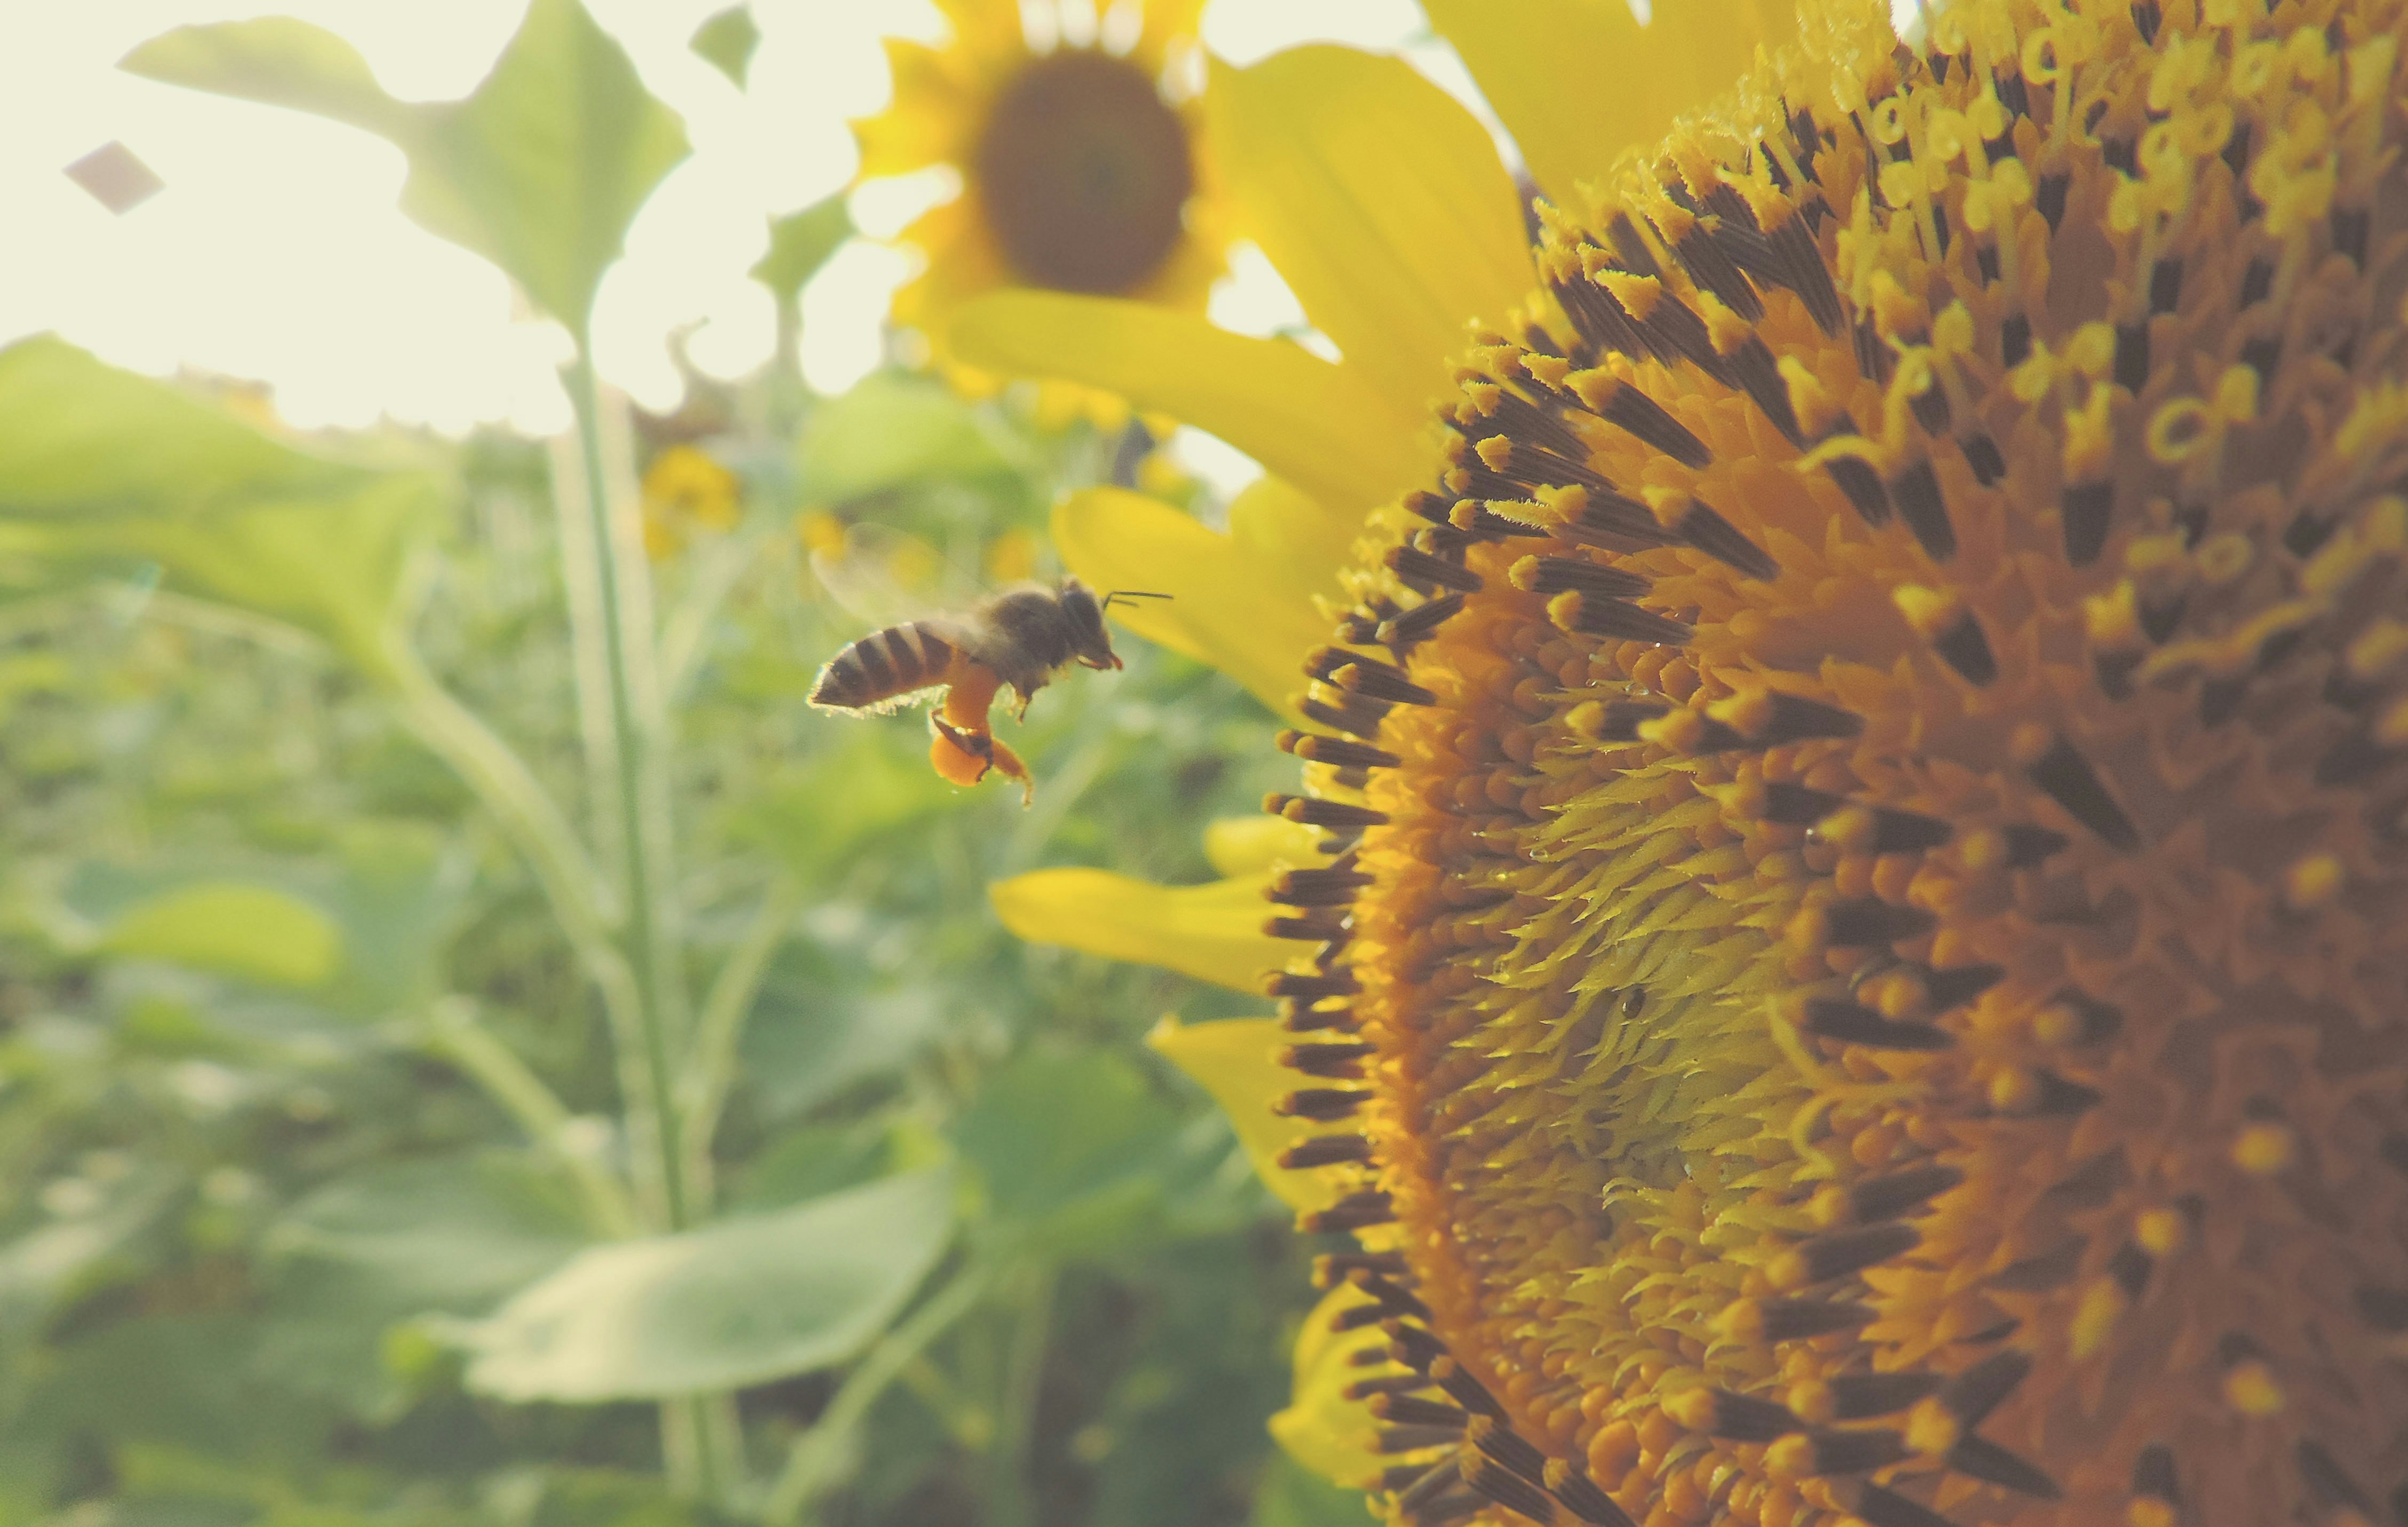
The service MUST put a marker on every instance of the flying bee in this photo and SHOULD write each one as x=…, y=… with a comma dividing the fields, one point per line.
x=1018, y=639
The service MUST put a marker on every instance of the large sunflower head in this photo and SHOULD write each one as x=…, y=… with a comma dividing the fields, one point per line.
x=1078, y=161
x=1853, y=971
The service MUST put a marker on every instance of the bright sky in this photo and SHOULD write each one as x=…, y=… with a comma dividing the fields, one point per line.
x=275, y=252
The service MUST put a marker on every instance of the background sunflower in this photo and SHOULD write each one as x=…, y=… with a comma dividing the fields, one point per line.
x=1082, y=163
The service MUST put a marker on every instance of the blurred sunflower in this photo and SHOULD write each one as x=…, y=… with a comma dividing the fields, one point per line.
x=686, y=490
x=1857, y=804
x=1079, y=166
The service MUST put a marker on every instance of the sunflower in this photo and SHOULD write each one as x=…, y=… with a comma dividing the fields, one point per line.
x=686, y=489
x=1856, y=807
x=1079, y=164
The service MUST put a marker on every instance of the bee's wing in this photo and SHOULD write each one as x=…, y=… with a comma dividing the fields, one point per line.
x=883, y=577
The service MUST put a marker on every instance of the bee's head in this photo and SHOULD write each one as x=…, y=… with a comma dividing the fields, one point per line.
x=1090, y=640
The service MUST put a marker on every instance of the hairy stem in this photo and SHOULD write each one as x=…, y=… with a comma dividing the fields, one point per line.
x=613, y=631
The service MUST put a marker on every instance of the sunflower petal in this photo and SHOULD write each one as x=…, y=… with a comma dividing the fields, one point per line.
x=1250, y=844
x=1231, y=605
x=987, y=30
x=1381, y=201
x=1233, y=1058
x=929, y=121
x=1536, y=61
x=1213, y=933
x=1319, y=426
x=1321, y=1428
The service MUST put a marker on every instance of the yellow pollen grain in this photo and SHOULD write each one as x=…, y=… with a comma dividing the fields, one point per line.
x=2102, y=1305
x=1932, y=1428
x=2249, y=1388
x=2160, y=1232
x=2313, y=881
x=2391, y=725
x=2263, y=1149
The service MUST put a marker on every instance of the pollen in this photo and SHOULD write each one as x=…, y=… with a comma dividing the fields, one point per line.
x=1870, y=911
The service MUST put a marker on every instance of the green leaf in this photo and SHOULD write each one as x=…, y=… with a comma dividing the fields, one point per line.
x=390, y=1243
x=190, y=1382
x=540, y=170
x=891, y=430
x=1072, y=1146
x=362, y=935
x=727, y=40
x=455, y=1234
x=807, y=1046
x=232, y=928
x=100, y=467
x=735, y=1304
x=73, y=1255
x=800, y=243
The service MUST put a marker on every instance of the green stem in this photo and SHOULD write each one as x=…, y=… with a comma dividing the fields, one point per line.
x=635, y=743
x=1010, y=1501
x=710, y=1062
x=700, y=1445
x=506, y=788
x=453, y=1032
x=822, y=1456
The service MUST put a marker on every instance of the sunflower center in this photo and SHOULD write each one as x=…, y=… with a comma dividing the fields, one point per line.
x=1084, y=171
x=1872, y=813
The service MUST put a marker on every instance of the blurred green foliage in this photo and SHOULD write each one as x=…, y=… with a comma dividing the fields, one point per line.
x=377, y=1146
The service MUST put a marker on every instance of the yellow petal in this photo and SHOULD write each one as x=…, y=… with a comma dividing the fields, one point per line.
x=1321, y=427
x=1381, y=201
x=1167, y=24
x=1537, y=61
x=1321, y=1428
x=1213, y=933
x=1250, y=844
x=930, y=120
x=962, y=263
x=1234, y=1058
x=1247, y=613
x=1306, y=541
x=988, y=30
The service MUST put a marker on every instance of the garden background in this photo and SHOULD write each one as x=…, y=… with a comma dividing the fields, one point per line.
x=372, y=696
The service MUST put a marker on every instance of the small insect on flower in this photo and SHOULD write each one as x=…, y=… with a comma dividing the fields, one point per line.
x=1019, y=638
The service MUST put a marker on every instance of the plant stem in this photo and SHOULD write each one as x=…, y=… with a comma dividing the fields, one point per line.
x=453, y=1031
x=506, y=787
x=635, y=736
x=1011, y=1500
x=700, y=1444
x=818, y=1460
x=711, y=1060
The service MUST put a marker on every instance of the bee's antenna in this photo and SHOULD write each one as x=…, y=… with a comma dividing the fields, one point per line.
x=1130, y=595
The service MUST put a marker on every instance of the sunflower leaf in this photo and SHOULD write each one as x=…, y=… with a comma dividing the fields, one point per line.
x=726, y=41
x=735, y=1304
x=101, y=468
x=540, y=170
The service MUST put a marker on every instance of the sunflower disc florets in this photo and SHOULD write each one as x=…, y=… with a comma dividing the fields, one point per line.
x=1865, y=964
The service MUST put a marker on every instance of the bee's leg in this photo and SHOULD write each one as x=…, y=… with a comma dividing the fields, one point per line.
x=960, y=756
x=962, y=751
x=1007, y=764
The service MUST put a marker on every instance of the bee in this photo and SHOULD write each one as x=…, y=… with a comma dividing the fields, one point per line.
x=1018, y=639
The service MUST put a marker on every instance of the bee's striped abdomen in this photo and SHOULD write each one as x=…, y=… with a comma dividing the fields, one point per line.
x=884, y=666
